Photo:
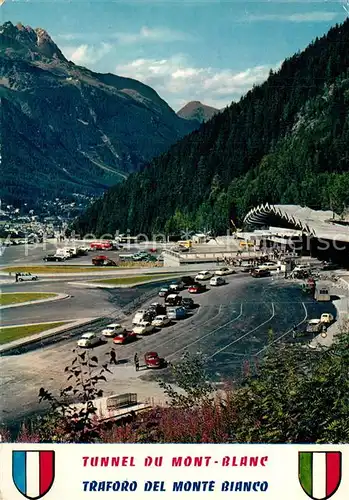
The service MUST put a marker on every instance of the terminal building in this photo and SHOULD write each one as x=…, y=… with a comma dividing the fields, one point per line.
x=291, y=228
x=317, y=233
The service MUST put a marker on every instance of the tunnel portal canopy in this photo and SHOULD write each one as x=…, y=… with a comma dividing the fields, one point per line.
x=319, y=224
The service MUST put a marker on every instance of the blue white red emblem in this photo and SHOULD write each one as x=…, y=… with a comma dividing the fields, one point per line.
x=33, y=472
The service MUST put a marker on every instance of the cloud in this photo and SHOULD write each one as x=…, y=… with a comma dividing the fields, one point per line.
x=146, y=34
x=86, y=54
x=178, y=81
x=307, y=17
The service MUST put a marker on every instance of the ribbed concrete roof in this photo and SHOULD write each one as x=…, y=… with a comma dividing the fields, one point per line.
x=311, y=222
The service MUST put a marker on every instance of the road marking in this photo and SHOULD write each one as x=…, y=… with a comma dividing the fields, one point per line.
x=245, y=334
x=207, y=334
x=286, y=333
x=189, y=329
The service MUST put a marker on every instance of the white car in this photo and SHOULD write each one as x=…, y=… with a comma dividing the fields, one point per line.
x=27, y=277
x=161, y=320
x=113, y=330
x=269, y=266
x=138, y=316
x=302, y=267
x=89, y=339
x=217, y=280
x=223, y=271
x=204, y=275
x=143, y=328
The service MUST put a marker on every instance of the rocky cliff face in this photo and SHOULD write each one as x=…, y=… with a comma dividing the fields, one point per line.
x=66, y=129
x=195, y=110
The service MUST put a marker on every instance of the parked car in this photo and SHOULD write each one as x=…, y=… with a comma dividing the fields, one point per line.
x=315, y=326
x=161, y=320
x=101, y=245
x=153, y=360
x=204, y=275
x=224, y=271
x=269, y=266
x=140, y=256
x=187, y=280
x=89, y=339
x=62, y=254
x=260, y=273
x=143, y=327
x=173, y=300
x=330, y=266
x=125, y=337
x=176, y=312
x=217, y=280
x=247, y=268
x=149, y=315
x=157, y=308
x=164, y=291
x=103, y=260
x=27, y=277
x=113, y=329
x=327, y=318
x=301, y=267
x=138, y=316
x=177, y=285
x=197, y=288
x=188, y=303
x=51, y=257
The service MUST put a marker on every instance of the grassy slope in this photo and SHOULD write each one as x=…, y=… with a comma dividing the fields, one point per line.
x=16, y=298
x=18, y=332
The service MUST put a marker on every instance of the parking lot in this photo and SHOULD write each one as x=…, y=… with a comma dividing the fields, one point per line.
x=230, y=326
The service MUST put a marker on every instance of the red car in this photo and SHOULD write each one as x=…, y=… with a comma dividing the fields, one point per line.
x=103, y=260
x=125, y=338
x=101, y=245
x=197, y=288
x=153, y=360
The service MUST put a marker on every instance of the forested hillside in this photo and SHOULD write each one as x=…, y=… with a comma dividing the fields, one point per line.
x=286, y=141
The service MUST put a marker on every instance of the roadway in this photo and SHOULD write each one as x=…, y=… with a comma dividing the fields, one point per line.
x=15, y=255
x=229, y=327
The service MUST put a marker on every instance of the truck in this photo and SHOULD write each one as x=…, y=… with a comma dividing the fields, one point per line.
x=173, y=299
x=62, y=254
x=103, y=260
x=315, y=326
x=176, y=312
x=322, y=294
x=319, y=325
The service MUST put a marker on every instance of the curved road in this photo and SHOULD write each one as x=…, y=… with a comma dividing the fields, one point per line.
x=229, y=326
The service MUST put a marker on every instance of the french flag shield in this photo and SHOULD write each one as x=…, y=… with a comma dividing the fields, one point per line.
x=33, y=472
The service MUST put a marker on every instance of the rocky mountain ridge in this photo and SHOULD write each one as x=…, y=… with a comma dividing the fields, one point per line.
x=67, y=129
x=195, y=110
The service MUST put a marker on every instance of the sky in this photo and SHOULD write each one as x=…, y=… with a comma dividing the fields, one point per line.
x=211, y=51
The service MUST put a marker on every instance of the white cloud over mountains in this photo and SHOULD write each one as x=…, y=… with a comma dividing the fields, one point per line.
x=306, y=17
x=175, y=78
x=144, y=35
x=85, y=54
x=177, y=81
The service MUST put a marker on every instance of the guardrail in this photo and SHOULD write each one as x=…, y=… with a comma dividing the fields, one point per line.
x=121, y=401
x=129, y=308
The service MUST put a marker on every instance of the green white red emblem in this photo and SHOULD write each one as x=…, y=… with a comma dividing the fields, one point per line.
x=320, y=473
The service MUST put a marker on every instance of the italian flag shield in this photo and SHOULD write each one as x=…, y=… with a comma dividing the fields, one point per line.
x=320, y=473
